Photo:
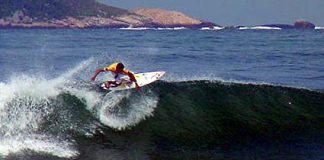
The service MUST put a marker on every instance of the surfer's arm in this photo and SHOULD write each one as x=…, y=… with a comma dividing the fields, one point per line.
x=133, y=79
x=93, y=78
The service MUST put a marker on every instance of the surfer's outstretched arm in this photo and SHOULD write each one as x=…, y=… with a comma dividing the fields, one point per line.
x=133, y=79
x=93, y=78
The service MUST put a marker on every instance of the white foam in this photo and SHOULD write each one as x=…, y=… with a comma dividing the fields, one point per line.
x=25, y=102
x=25, y=86
x=37, y=143
x=260, y=28
x=244, y=28
x=92, y=98
x=126, y=116
x=215, y=28
x=6, y=94
x=146, y=28
x=135, y=28
x=319, y=28
x=174, y=29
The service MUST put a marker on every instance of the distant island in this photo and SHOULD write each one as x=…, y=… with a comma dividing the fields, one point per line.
x=92, y=14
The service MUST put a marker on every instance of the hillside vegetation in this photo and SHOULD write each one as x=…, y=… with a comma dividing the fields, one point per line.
x=49, y=9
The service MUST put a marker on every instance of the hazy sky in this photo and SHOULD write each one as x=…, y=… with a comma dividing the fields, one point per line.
x=237, y=12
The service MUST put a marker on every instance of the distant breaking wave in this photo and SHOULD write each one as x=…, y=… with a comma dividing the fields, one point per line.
x=212, y=28
x=175, y=28
x=137, y=28
x=146, y=28
x=319, y=28
x=260, y=28
x=209, y=28
x=169, y=28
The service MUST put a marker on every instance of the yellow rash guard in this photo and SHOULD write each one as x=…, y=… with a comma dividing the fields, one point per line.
x=113, y=68
x=117, y=75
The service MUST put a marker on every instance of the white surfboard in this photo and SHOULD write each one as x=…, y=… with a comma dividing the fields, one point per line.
x=141, y=78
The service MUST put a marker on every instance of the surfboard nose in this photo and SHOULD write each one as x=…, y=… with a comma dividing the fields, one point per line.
x=160, y=74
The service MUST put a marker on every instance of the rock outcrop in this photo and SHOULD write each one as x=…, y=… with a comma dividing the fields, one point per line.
x=304, y=25
x=297, y=25
x=164, y=18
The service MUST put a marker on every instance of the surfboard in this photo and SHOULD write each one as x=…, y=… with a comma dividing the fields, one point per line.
x=141, y=78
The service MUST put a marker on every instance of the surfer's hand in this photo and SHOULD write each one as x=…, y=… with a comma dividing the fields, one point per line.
x=138, y=88
x=93, y=78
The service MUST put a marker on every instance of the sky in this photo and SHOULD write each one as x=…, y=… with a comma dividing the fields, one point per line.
x=237, y=12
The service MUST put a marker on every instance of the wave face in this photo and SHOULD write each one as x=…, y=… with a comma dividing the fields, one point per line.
x=217, y=112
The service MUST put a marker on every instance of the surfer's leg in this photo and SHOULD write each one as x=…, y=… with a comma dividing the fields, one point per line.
x=109, y=84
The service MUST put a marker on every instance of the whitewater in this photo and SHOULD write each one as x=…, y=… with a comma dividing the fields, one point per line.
x=27, y=102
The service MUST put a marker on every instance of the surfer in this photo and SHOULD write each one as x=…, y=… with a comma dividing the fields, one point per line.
x=117, y=69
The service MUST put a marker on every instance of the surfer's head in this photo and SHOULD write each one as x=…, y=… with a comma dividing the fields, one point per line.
x=119, y=67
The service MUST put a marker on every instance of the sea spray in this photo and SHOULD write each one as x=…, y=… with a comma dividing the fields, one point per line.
x=25, y=103
x=38, y=143
x=123, y=109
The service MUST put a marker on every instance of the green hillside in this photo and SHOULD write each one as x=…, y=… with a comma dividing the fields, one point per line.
x=49, y=9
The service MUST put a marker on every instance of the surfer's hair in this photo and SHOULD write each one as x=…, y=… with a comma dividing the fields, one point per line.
x=120, y=66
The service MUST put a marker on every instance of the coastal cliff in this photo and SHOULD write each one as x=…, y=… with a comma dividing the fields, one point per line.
x=92, y=14
x=87, y=14
x=164, y=18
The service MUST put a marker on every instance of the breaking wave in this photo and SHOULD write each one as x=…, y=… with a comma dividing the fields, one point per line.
x=39, y=115
x=46, y=116
x=260, y=28
x=319, y=28
x=216, y=28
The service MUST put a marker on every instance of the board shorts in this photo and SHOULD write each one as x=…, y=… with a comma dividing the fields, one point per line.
x=120, y=78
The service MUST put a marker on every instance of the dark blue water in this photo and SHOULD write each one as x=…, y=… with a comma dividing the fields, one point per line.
x=287, y=57
x=48, y=110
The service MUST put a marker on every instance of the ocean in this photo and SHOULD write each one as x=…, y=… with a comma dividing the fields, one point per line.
x=227, y=94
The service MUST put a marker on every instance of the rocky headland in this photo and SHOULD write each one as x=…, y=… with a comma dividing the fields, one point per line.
x=91, y=14
x=88, y=14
